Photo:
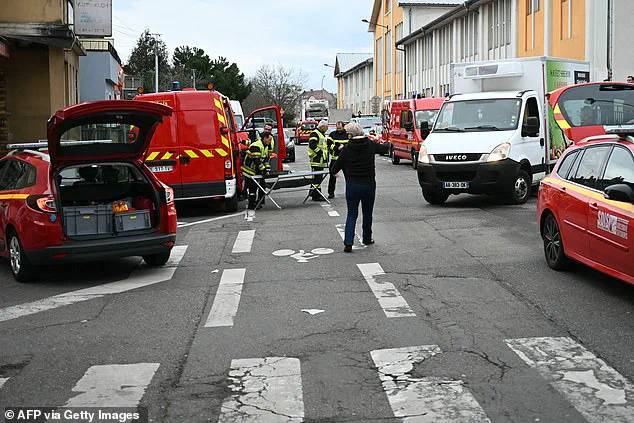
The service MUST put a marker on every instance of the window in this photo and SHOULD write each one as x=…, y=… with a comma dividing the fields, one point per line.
x=532, y=6
x=379, y=59
x=3, y=167
x=229, y=121
x=620, y=169
x=566, y=164
x=18, y=175
x=499, y=23
x=591, y=166
x=387, y=6
x=593, y=105
x=388, y=52
x=532, y=110
x=406, y=118
x=399, y=53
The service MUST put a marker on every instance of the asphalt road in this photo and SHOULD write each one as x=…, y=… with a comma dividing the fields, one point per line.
x=452, y=316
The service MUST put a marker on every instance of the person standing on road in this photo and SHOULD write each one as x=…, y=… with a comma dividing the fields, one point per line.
x=318, y=155
x=357, y=162
x=257, y=163
x=337, y=140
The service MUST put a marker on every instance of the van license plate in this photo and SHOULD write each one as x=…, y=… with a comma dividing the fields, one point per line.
x=159, y=169
x=455, y=185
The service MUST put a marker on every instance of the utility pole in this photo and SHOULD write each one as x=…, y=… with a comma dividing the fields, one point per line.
x=156, y=62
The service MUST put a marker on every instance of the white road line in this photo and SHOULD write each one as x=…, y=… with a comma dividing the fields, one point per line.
x=330, y=210
x=115, y=385
x=142, y=276
x=391, y=301
x=341, y=229
x=227, y=299
x=595, y=389
x=200, y=222
x=424, y=399
x=244, y=241
x=264, y=390
x=3, y=380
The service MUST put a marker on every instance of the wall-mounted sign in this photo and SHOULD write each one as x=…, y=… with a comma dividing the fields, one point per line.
x=93, y=18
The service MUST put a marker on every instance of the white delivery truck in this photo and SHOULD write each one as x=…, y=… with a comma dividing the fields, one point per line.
x=238, y=114
x=495, y=135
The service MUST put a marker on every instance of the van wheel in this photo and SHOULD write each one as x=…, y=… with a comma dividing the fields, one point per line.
x=231, y=204
x=521, y=188
x=553, y=244
x=414, y=159
x=435, y=197
x=395, y=160
x=156, y=260
x=21, y=267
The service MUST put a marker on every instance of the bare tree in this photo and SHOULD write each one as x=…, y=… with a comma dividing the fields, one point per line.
x=276, y=85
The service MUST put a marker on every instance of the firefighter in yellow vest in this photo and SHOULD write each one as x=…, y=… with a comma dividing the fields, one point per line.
x=257, y=163
x=319, y=156
x=337, y=140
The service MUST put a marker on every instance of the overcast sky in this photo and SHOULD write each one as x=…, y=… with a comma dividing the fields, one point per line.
x=301, y=34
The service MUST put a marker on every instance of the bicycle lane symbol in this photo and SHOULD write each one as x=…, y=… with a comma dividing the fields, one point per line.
x=302, y=256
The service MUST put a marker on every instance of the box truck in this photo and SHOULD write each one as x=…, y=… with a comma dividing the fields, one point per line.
x=496, y=134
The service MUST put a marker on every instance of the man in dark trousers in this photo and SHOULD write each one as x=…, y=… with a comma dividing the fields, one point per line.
x=319, y=156
x=256, y=162
x=357, y=162
x=338, y=139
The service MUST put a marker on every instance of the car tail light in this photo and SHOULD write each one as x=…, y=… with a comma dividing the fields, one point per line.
x=228, y=169
x=169, y=195
x=42, y=203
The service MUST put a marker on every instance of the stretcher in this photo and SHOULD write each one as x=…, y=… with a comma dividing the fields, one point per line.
x=289, y=181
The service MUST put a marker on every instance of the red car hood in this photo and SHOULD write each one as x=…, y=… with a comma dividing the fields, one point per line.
x=143, y=117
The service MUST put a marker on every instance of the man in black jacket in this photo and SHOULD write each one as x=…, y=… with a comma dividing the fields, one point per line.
x=338, y=139
x=357, y=162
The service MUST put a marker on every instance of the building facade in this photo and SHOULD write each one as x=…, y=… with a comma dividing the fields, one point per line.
x=586, y=30
x=475, y=30
x=355, y=82
x=390, y=21
x=101, y=76
x=39, y=70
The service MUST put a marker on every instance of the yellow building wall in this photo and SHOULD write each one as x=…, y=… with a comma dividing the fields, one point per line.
x=525, y=47
x=391, y=85
x=25, y=11
x=563, y=45
x=341, y=100
x=28, y=94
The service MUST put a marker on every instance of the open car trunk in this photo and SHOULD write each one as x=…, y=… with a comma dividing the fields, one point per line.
x=101, y=200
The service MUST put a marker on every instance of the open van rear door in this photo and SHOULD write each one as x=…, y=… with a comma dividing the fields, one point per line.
x=256, y=121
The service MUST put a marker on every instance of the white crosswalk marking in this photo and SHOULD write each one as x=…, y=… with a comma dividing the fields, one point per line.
x=331, y=212
x=141, y=277
x=341, y=229
x=264, y=390
x=227, y=299
x=424, y=399
x=3, y=380
x=116, y=385
x=244, y=241
x=391, y=301
x=596, y=390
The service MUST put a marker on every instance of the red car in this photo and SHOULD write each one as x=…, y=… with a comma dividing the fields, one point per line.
x=586, y=206
x=88, y=195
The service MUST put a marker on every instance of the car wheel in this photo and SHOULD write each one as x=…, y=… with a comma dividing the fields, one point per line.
x=414, y=159
x=156, y=260
x=435, y=197
x=22, y=269
x=521, y=188
x=231, y=204
x=553, y=244
x=395, y=160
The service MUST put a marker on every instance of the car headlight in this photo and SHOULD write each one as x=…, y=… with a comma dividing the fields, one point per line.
x=423, y=157
x=500, y=152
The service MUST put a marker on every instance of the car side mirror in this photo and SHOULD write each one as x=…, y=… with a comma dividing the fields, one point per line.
x=224, y=130
x=620, y=192
x=531, y=128
x=424, y=126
